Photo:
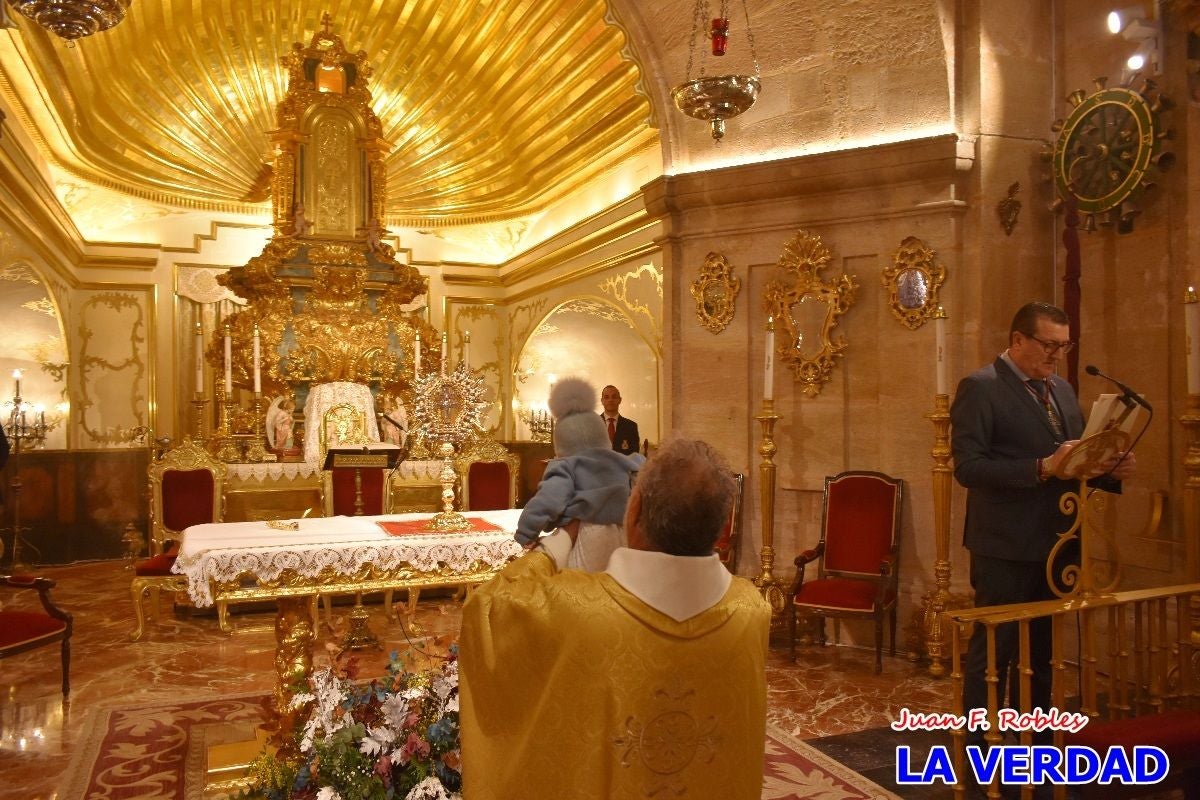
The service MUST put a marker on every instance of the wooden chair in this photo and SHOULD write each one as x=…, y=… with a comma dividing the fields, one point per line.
x=731, y=535
x=857, y=557
x=21, y=631
x=488, y=474
x=186, y=488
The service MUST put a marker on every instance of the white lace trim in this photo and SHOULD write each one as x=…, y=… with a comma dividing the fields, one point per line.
x=224, y=552
x=298, y=470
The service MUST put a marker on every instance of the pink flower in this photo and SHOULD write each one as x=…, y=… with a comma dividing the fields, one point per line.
x=414, y=746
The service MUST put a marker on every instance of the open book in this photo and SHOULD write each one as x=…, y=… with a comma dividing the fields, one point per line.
x=1113, y=412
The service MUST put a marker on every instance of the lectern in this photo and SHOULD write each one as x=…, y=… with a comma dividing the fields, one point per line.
x=382, y=456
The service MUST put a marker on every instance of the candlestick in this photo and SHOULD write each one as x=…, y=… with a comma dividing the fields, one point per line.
x=257, y=363
x=769, y=366
x=467, y=349
x=17, y=378
x=228, y=361
x=444, y=346
x=1191, y=311
x=417, y=355
x=199, y=359
x=939, y=329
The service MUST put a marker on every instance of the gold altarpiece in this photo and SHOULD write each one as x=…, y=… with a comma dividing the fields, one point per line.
x=329, y=298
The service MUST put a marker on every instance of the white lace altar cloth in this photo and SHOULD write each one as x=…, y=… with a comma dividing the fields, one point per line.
x=407, y=471
x=223, y=551
x=325, y=396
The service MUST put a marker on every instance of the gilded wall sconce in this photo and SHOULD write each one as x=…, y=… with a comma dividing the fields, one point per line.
x=913, y=281
x=807, y=308
x=715, y=292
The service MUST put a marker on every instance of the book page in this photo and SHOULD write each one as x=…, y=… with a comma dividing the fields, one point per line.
x=1109, y=412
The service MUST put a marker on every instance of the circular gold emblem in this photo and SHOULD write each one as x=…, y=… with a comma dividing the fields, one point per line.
x=1109, y=150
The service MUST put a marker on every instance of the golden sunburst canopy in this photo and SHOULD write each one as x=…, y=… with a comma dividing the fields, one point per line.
x=492, y=110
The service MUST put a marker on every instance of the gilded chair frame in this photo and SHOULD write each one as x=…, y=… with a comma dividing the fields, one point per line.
x=884, y=580
x=487, y=451
x=185, y=457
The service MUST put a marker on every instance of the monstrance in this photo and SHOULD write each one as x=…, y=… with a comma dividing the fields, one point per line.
x=449, y=409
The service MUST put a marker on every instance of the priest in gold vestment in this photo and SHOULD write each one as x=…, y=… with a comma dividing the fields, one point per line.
x=646, y=680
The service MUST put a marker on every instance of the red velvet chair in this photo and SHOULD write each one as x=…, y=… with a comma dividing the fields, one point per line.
x=857, y=557
x=186, y=487
x=488, y=474
x=731, y=535
x=21, y=631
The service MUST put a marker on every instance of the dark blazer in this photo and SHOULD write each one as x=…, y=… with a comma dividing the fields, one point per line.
x=626, y=439
x=999, y=431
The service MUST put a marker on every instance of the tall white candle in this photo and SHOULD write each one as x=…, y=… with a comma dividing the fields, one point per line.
x=1192, y=318
x=467, y=349
x=199, y=359
x=17, y=378
x=257, y=362
x=444, y=346
x=939, y=329
x=417, y=355
x=228, y=362
x=769, y=366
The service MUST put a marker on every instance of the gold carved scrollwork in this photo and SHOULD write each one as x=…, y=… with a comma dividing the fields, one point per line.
x=715, y=291
x=913, y=281
x=807, y=309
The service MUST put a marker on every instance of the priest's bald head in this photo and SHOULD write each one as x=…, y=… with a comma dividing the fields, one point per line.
x=681, y=501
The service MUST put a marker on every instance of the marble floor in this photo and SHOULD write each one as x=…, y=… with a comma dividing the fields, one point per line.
x=828, y=692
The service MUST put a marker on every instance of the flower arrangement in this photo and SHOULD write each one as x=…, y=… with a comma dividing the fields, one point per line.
x=396, y=738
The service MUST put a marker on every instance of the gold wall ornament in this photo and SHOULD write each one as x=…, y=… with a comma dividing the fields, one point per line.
x=913, y=281
x=73, y=19
x=715, y=292
x=1009, y=209
x=808, y=309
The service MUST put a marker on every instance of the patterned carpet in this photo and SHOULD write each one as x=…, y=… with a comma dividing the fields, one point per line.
x=156, y=753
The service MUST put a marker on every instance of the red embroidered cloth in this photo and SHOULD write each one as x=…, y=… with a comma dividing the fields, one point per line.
x=421, y=527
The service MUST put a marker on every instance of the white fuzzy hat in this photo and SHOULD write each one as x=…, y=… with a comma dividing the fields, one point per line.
x=577, y=426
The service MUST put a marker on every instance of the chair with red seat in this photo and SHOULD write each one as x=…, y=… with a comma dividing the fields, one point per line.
x=488, y=474
x=729, y=542
x=857, y=557
x=21, y=630
x=186, y=488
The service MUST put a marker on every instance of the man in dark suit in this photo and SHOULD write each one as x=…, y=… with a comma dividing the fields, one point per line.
x=1014, y=421
x=622, y=431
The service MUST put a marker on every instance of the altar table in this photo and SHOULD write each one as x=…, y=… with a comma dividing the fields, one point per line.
x=346, y=554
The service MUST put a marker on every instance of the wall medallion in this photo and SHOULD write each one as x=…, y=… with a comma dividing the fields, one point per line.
x=716, y=291
x=913, y=281
x=807, y=310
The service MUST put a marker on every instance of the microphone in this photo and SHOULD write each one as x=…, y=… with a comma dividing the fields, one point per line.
x=1091, y=369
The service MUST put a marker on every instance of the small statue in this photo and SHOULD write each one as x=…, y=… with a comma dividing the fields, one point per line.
x=300, y=225
x=280, y=424
x=394, y=425
x=375, y=243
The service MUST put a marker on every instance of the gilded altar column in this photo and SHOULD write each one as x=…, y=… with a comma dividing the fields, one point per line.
x=766, y=582
x=937, y=601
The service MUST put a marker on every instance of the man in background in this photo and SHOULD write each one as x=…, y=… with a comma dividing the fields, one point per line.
x=622, y=431
x=645, y=680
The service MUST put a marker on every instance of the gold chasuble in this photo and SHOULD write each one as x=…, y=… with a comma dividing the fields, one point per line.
x=572, y=687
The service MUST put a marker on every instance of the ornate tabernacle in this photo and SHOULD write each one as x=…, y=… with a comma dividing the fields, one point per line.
x=329, y=297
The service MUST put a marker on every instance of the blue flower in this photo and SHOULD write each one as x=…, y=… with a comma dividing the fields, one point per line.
x=444, y=732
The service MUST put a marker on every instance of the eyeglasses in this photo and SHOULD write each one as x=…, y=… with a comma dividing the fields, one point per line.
x=1053, y=347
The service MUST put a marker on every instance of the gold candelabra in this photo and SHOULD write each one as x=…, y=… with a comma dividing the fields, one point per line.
x=224, y=445
x=256, y=451
x=21, y=434
x=937, y=601
x=540, y=423
x=766, y=582
x=199, y=402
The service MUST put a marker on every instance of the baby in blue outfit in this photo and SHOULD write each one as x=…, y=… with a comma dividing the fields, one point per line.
x=587, y=481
